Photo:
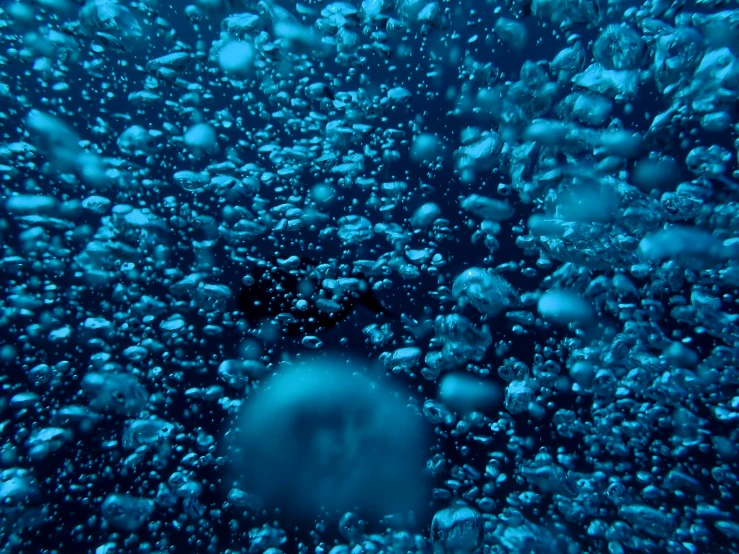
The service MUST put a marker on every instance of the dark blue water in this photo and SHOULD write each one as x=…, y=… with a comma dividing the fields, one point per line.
x=624, y=441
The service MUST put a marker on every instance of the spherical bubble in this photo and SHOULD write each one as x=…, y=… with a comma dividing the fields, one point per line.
x=564, y=307
x=425, y=216
x=135, y=141
x=236, y=57
x=457, y=529
x=201, y=138
x=656, y=173
x=466, y=393
x=583, y=373
x=318, y=437
x=490, y=294
x=20, y=12
x=301, y=39
x=620, y=142
x=323, y=193
x=547, y=132
x=8, y=352
x=425, y=148
x=511, y=32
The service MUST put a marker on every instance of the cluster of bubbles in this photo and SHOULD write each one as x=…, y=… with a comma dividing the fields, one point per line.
x=545, y=191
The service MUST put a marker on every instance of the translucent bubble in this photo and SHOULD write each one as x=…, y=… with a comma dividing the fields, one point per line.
x=564, y=307
x=319, y=437
x=201, y=138
x=466, y=393
x=425, y=148
x=236, y=57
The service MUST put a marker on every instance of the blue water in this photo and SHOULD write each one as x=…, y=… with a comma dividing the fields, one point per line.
x=540, y=197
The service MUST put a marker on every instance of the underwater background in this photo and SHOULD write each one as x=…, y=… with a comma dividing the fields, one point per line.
x=369, y=276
